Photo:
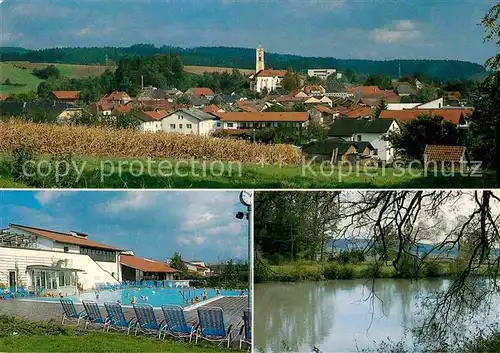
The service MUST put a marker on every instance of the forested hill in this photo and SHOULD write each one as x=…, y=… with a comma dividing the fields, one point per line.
x=244, y=58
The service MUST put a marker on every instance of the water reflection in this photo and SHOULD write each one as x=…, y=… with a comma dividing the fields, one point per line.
x=338, y=316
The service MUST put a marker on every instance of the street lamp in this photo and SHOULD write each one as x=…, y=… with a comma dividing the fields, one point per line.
x=246, y=198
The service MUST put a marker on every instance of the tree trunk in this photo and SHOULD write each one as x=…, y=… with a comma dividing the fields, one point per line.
x=497, y=154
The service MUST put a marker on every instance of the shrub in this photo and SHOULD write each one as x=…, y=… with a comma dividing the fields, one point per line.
x=331, y=271
x=432, y=269
x=409, y=267
x=9, y=325
x=21, y=166
x=372, y=271
x=345, y=272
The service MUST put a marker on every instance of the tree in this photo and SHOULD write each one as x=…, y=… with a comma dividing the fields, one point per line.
x=380, y=80
x=379, y=108
x=290, y=82
x=275, y=108
x=23, y=97
x=7, y=82
x=177, y=263
x=48, y=72
x=425, y=130
x=127, y=120
x=299, y=107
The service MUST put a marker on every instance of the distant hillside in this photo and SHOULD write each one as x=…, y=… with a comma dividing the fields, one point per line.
x=244, y=58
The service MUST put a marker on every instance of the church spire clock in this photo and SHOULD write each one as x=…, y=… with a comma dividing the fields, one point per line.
x=259, y=58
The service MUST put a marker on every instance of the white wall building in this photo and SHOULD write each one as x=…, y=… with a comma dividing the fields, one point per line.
x=190, y=121
x=267, y=79
x=367, y=130
x=49, y=261
x=435, y=104
x=323, y=73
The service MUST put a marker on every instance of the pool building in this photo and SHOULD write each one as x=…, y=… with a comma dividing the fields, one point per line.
x=46, y=261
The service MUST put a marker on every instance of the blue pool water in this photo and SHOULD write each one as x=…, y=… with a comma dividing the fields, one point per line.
x=155, y=296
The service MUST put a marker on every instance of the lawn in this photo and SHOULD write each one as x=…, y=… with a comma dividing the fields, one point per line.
x=19, y=335
x=17, y=75
x=231, y=176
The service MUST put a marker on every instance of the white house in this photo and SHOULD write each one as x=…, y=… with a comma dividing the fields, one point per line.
x=47, y=261
x=367, y=130
x=267, y=79
x=198, y=267
x=151, y=120
x=250, y=120
x=435, y=104
x=323, y=73
x=190, y=121
x=136, y=268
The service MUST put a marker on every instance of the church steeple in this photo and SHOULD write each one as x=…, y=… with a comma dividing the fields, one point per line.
x=259, y=58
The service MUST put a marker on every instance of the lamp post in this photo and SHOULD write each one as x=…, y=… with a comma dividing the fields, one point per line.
x=246, y=198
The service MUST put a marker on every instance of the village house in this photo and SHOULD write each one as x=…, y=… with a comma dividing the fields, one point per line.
x=212, y=108
x=65, y=96
x=60, y=112
x=269, y=80
x=190, y=121
x=134, y=268
x=321, y=114
x=201, y=92
x=434, y=104
x=337, y=150
x=314, y=90
x=197, y=267
x=459, y=117
x=258, y=120
x=367, y=130
x=118, y=98
x=48, y=261
x=151, y=120
x=353, y=112
x=439, y=157
x=404, y=89
x=323, y=73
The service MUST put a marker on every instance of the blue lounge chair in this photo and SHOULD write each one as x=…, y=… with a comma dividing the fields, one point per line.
x=146, y=320
x=246, y=328
x=24, y=292
x=212, y=326
x=94, y=314
x=176, y=323
x=117, y=319
x=69, y=312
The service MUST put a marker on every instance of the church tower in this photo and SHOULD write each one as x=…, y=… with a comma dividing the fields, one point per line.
x=259, y=59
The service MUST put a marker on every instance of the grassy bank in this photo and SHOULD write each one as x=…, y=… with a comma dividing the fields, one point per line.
x=18, y=335
x=230, y=175
x=314, y=271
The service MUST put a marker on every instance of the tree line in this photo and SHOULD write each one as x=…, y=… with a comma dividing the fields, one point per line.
x=244, y=58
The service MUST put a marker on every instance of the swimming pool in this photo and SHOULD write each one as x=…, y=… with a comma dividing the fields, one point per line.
x=154, y=296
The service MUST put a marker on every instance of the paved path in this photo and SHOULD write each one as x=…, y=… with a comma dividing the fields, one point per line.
x=44, y=311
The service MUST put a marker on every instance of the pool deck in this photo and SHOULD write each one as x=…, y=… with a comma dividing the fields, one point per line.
x=44, y=311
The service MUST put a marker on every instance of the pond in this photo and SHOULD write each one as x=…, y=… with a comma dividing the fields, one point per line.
x=345, y=316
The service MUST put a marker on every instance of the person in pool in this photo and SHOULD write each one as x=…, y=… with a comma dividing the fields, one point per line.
x=134, y=300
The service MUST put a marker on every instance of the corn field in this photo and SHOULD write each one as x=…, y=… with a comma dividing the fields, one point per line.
x=96, y=141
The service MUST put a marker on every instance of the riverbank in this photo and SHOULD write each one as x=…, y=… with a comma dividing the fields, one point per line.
x=321, y=271
x=20, y=335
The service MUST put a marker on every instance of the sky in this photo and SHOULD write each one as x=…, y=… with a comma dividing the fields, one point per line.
x=363, y=29
x=451, y=214
x=200, y=225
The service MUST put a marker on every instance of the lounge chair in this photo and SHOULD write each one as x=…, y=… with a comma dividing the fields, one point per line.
x=212, y=325
x=70, y=311
x=146, y=320
x=176, y=323
x=117, y=319
x=94, y=314
x=246, y=328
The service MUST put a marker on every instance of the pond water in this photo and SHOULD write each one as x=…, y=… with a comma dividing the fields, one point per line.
x=344, y=316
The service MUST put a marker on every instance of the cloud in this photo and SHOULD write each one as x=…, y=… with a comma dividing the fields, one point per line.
x=199, y=221
x=48, y=196
x=131, y=201
x=399, y=31
x=84, y=31
x=190, y=239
